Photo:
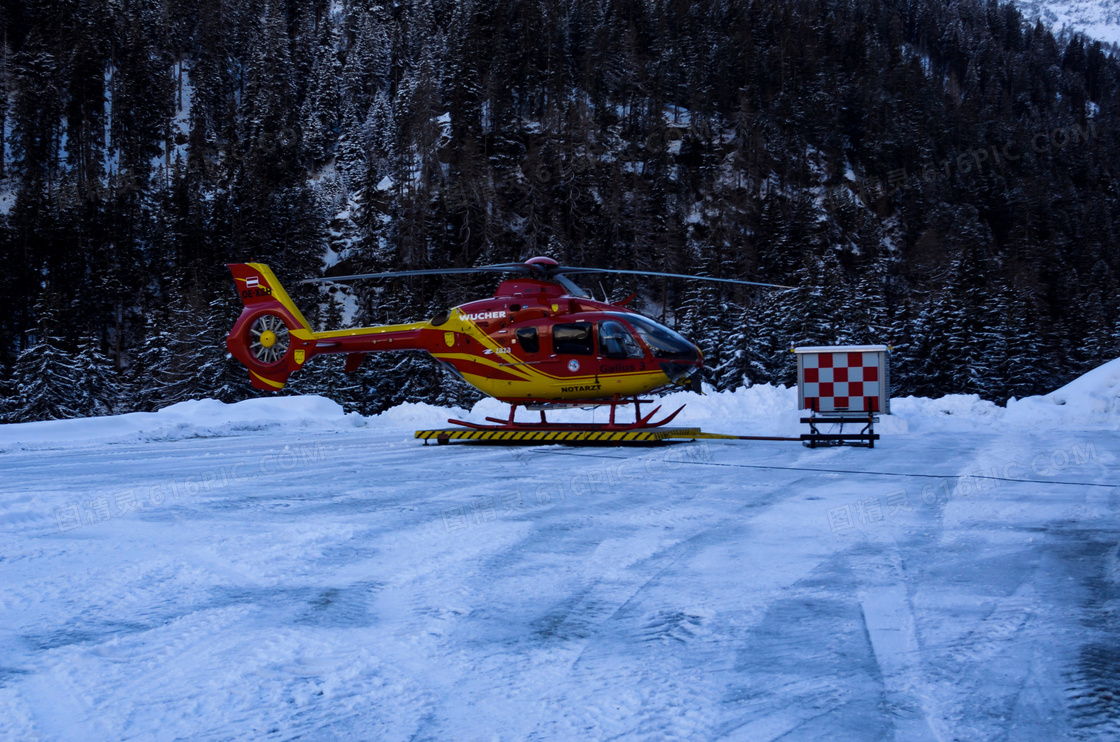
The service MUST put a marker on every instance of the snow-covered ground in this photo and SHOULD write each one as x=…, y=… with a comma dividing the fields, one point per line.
x=278, y=570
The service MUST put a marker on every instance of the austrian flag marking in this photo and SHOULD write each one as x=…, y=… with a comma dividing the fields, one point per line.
x=252, y=282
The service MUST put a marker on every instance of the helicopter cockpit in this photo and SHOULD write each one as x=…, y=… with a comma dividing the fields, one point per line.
x=616, y=341
x=665, y=344
x=622, y=336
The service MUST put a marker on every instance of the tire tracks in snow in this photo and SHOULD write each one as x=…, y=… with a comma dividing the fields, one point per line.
x=639, y=632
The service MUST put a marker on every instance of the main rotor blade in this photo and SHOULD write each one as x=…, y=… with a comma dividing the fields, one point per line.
x=564, y=269
x=506, y=268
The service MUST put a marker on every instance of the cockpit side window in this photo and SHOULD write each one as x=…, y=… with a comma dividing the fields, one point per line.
x=615, y=341
x=528, y=339
x=574, y=339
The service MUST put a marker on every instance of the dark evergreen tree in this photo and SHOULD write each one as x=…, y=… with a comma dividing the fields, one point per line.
x=98, y=389
x=186, y=358
x=219, y=376
x=46, y=379
x=153, y=359
x=1017, y=357
x=320, y=115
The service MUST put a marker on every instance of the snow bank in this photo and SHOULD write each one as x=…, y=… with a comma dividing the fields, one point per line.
x=757, y=410
x=763, y=407
x=203, y=418
x=415, y=416
x=209, y=418
x=1089, y=402
x=953, y=413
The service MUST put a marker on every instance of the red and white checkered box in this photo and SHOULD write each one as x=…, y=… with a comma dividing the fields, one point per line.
x=840, y=379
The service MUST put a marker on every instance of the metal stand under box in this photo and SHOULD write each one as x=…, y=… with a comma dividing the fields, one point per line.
x=865, y=437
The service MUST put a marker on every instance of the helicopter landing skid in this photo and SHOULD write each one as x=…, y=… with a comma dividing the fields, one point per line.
x=640, y=422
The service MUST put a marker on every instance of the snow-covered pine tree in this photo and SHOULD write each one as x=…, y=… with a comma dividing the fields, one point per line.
x=862, y=313
x=153, y=359
x=320, y=115
x=822, y=290
x=932, y=358
x=377, y=176
x=1018, y=363
x=767, y=327
x=186, y=358
x=171, y=355
x=731, y=370
x=698, y=317
x=709, y=317
x=973, y=333
x=5, y=89
x=368, y=61
x=99, y=389
x=44, y=380
x=1116, y=336
x=45, y=377
x=900, y=334
x=7, y=393
x=219, y=376
x=1096, y=303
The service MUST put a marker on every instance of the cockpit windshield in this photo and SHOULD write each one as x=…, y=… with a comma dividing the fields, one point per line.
x=663, y=342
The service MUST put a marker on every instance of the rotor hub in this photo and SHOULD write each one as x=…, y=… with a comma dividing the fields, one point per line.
x=269, y=339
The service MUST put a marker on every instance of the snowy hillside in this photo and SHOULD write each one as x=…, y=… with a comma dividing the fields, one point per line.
x=1097, y=19
x=876, y=154
x=278, y=569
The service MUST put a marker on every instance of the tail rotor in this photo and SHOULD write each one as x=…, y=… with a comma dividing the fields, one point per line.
x=269, y=339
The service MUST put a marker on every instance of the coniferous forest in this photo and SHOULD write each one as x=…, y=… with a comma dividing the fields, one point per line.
x=939, y=175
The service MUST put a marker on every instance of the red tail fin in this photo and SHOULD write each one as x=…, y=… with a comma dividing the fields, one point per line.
x=271, y=337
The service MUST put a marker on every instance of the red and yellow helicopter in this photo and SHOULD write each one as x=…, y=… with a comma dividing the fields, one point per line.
x=541, y=342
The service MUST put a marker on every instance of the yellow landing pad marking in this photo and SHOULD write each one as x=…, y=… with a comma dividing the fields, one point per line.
x=717, y=436
x=560, y=436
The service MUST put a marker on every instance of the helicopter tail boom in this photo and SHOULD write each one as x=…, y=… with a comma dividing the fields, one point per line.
x=272, y=339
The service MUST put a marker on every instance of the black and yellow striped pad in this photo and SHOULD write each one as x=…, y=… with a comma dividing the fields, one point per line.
x=559, y=436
